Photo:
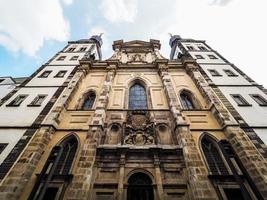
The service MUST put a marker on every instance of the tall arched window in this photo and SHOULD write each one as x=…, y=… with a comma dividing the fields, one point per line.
x=89, y=100
x=55, y=175
x=137, y=97
x=213, y=156
x=187, y=101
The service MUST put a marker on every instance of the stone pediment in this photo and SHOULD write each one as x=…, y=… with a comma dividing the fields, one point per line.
x=136, y=51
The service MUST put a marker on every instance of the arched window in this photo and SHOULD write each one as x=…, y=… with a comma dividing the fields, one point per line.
x=55, y=175
x=140, y=187
x=88, y=101
x=213, y=156
x=187, y=101
x=137, y=97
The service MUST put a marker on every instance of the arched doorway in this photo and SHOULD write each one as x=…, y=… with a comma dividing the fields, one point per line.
x=140, y=187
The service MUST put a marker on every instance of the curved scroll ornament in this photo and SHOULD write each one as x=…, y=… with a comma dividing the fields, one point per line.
x=139, y=138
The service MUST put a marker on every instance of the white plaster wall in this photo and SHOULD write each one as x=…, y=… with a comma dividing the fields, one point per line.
x=6, y=86
x=195, y=45
x=262, y=133
x=51, y=80
x=206, y=58
x=10, y=136
x=224, y=79
x=254, y=115
x=67, y=60
x=23, y=115
x=5, y=89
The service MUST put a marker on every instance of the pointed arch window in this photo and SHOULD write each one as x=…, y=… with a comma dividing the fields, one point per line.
x=137, y=97
x=89, y=100
x=213, y=156
x=187, y=101
x=55, y=175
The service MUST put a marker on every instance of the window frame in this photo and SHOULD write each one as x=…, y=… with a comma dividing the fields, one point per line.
x=143, y=107
x=58, y=73
x=71, y=49
x=245, y=102
x=190, y=48
x=215, y=74
x=42, y=74
x=203, y=48
x=264, y=103
x=82, y=49
x=61, y=58
x=13, y=104
x=74, y=58
x=212, y=57
x=35, y=100
x=198, y=56
x=229, y=73
x=85, y=98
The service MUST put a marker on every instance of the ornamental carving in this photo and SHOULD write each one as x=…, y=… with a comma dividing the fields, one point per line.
x=138, y=129
x=139, y=138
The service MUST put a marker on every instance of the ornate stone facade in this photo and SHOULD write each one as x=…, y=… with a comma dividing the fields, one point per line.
x=180, y=145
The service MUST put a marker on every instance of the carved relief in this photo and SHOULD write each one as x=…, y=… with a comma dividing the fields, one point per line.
x=138, y=129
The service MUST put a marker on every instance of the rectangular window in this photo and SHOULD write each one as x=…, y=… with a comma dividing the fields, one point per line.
x=60, y=74
x=212, y=57
x=38, y=100
x=61, y=58
x=229, y=72
x=199, y=57
x=18, y=100
x=202, y=48
x=240, y=100
x=45, y=74
x=259, y=99
x=2, y=147
x=71, y=49
x=214, y=72
x=74, y=58
x=83, y=48
x=190, y=48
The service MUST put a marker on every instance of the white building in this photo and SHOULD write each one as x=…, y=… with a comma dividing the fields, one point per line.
x=24, y=104
x=233, y=86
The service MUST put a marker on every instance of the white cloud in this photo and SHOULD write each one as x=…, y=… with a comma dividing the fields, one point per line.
x=232, y=27
x=117, y=11
x=67, y=2
x=219, y=2
x=25, y=25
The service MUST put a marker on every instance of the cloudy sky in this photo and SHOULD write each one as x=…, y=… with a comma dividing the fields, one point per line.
x=32, y=31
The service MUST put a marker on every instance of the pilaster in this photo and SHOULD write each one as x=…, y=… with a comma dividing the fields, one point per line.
x=83, y=179
x=199, y=184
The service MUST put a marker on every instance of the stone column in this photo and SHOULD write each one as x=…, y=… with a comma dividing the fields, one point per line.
x=158, y=177
x=252, y=160
x=82, y=182
x=197, y=177
x=121, y=177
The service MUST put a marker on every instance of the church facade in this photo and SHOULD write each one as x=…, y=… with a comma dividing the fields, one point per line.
x=136, y=126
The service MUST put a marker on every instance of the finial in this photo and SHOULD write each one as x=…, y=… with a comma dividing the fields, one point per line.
x=100, y=34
